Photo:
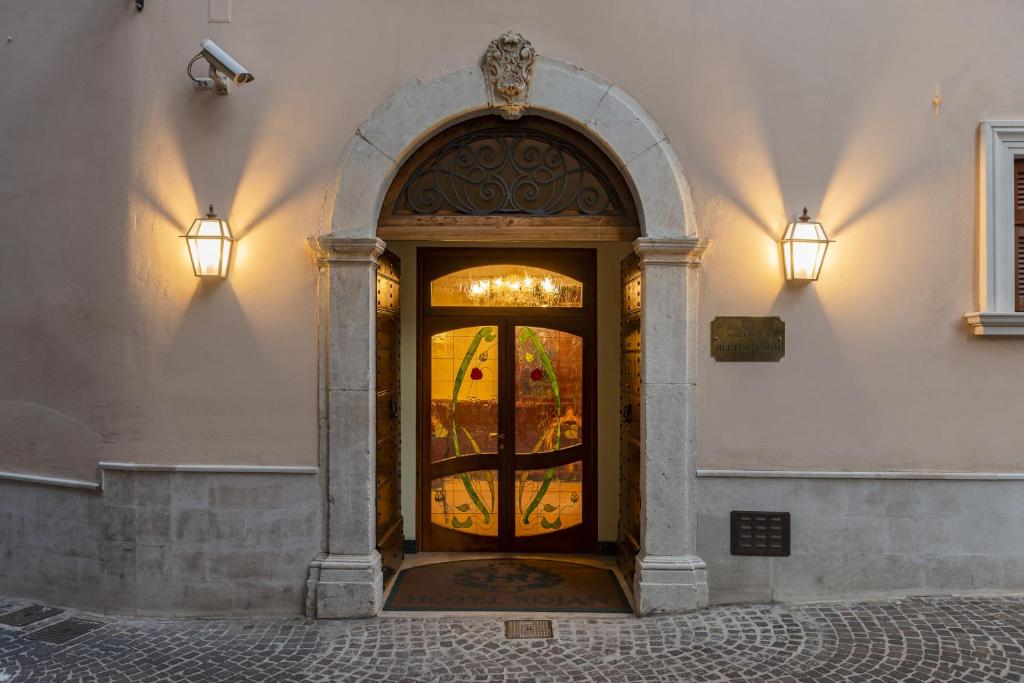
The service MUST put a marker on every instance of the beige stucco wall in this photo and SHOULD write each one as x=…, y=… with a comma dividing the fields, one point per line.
x=112, y=350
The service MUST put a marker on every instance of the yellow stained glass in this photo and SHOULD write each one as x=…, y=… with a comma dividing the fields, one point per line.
x=548, y=389
x=464, y=392
x=466, y=502
x=549, y=500
x=507, y=285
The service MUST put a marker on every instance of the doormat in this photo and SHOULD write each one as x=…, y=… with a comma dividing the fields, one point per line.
x=506, y=585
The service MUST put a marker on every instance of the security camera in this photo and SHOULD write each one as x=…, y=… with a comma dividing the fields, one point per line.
x=221, y=64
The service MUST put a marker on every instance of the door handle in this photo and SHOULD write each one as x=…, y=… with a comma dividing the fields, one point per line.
x=627, y=412
x=392, y=407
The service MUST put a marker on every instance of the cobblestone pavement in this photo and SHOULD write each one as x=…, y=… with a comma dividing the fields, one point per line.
x=918, y=639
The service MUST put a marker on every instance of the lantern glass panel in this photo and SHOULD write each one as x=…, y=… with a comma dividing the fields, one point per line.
x=803, y=250
x=209, y=246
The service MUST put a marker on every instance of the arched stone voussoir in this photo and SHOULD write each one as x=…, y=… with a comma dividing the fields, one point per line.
x=569, y=93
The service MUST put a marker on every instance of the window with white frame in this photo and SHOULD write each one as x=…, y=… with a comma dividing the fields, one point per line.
x=1001, y=230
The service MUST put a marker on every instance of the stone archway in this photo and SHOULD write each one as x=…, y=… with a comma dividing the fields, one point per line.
x=346, y=581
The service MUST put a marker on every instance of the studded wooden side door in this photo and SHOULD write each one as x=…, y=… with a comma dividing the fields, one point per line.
x=628, y=545
x=390, y=540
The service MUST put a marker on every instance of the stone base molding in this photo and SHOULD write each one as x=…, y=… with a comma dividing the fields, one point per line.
x=345, y=586
x=669, y=584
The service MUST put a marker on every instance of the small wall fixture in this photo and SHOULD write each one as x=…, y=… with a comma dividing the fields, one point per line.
x=221, y=65
x=209, y=245
x=803, y=248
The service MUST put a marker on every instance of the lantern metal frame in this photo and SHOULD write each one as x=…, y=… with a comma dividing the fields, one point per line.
x=224, y=236
x=788, y=241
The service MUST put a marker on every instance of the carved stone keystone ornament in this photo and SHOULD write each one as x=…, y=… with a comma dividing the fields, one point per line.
x=508, y=66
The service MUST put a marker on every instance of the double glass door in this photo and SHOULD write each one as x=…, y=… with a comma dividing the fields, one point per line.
x=506, y=402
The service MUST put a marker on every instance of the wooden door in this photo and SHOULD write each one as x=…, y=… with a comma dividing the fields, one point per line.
x=390, y=540
x=628, y=544
x=507, y=401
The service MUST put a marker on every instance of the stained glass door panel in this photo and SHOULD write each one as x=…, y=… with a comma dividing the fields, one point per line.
x=549, y=389
x=466, y=502
x=549, y=500
x=548, y=383
x=464, y=388
x=463, y=392
x=506, y=406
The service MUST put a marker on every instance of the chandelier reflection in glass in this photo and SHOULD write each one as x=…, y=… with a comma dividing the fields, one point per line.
x=506, y=286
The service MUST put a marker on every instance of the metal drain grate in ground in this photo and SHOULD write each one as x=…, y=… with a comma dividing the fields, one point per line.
x=529, y=628
x=63, y=631
x=29, y=615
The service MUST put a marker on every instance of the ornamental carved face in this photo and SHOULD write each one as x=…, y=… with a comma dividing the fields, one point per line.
x=508, y=64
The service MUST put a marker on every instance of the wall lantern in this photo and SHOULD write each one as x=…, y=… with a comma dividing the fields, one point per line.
x=209, y=245
x=803, y=248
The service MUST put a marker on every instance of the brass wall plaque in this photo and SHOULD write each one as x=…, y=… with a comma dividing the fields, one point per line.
x=736, y=339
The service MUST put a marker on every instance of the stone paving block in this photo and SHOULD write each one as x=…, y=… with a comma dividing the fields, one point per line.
x=919, y=639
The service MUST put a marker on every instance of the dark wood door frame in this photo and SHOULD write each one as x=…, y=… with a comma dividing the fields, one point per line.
x=579, y=264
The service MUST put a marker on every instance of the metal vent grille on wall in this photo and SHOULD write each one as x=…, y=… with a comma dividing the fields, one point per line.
x=759, y=533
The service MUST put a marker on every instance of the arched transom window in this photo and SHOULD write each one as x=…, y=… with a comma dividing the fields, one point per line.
x=518, y=180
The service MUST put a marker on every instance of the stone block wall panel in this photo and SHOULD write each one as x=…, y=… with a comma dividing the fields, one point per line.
x=854, y=538
x=163, y=542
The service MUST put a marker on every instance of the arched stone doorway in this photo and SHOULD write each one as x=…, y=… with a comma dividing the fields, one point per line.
x=347, y=580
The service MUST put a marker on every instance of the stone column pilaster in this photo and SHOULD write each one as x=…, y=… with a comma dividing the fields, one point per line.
x=670, y=577
x=347, y=581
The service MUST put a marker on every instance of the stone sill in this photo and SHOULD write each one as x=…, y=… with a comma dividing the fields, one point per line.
x=988, y=323
x=850, y=474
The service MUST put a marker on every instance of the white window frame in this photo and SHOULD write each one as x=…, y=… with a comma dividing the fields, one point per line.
x=1000, y=142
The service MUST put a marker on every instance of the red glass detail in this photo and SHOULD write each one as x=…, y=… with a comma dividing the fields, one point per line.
x=476, y=373
x=536, y=375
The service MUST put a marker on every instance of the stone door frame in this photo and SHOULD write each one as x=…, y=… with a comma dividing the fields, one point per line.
x=346, y=579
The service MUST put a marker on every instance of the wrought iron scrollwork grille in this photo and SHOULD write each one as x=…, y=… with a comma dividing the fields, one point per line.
x=509, y=171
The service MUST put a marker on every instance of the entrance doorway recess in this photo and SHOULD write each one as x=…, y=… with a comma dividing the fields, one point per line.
x=507, y=400
x=346, y=577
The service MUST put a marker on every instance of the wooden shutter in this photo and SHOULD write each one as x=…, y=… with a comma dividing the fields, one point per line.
x=629, y=427
x=390, y=540
x=1018, y=248
x=1018, y=232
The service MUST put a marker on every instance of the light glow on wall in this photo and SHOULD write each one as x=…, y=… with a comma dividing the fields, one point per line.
x=803, y=248
x=209, y=245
